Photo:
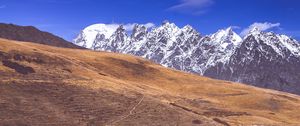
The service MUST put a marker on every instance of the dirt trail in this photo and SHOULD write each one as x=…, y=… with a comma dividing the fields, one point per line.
x=130, y=112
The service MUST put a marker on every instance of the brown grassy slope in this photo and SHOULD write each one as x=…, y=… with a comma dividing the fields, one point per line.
x=43, y=85
x=32, y=34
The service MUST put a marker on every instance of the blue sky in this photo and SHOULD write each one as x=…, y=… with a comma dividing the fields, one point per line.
x=67, y=17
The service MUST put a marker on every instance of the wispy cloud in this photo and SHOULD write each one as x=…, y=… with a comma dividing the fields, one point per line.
x=2, y=6
x=195, y=7
x=129, y=27
x=261, y=26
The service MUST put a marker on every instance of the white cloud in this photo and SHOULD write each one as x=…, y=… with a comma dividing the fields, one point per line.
x=192, y=6
x=110, y=28
x=261, y=26
x=149, y=25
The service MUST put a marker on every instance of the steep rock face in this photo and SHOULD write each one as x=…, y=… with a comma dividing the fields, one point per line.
x=115, y=43
x=217, y=48
x=263, y=59
x=137, y=41
x=161, y=42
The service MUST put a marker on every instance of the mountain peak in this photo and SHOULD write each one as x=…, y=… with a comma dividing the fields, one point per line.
x=229, y=29
x=226, y=35
x=165, y=22
x=168, y=24
x=224, y=32
x=89, y=34
x=255, y=30
x=188, y=27
x=120, y=29
x=138, y=27
x=138, y=31
x=167, y=28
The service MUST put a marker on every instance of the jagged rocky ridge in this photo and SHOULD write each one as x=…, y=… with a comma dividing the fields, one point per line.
x=263, y=59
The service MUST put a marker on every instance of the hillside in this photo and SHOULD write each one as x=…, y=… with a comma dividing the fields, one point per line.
x=45, y=85
x=32, y=34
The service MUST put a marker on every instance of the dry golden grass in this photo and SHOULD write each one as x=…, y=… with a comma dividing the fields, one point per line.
x=82, y=87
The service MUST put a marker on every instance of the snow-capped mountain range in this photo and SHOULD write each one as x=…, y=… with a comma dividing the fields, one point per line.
x=263, y=59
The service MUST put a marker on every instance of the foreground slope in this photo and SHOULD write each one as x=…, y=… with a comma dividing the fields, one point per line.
x=44, y=85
